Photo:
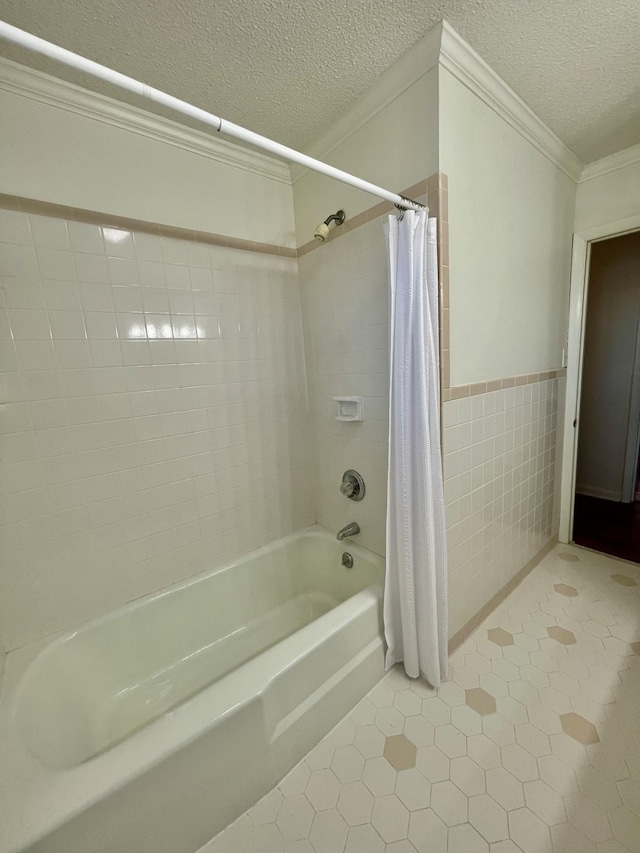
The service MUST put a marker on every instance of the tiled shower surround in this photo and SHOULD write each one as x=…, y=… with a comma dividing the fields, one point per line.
x=345, y=310
x=154, y=417
x=157, y=421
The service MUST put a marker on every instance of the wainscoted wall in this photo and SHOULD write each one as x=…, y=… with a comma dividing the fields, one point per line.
x=154, y=415
x=499, y=468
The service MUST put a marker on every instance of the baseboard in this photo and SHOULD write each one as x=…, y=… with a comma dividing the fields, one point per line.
x=605, y=494
x=460, y=636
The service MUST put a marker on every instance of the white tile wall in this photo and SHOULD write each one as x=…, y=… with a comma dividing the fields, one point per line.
x=345, y=314
x=153, y=415
x=499, y=468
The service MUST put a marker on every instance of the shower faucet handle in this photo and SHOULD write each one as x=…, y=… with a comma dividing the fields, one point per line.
x=352, y=485
x=347, y=488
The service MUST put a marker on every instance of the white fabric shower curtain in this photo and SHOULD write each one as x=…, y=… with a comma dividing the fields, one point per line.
x=415, y=595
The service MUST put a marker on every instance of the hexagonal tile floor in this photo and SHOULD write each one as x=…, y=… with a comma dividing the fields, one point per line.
x=532, y=746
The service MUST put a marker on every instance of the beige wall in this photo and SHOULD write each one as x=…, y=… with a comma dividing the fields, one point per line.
x=609, y=197
x=510, y=224
x=55, y=154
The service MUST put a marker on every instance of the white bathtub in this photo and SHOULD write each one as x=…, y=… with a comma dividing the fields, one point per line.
x=150, y=729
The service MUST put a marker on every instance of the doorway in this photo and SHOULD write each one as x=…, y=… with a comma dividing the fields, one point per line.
x=606, y=514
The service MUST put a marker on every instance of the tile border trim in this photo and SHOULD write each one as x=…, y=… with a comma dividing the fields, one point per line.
x=458, y=392
x=62, y=211
x=486, y=610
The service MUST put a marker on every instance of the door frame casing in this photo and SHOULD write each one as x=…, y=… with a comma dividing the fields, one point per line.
x=578, y=293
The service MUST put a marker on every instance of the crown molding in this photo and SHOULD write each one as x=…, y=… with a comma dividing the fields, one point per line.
x=619, y=160
x=460, y=60
x=443, y=47
x=21, y=80
x=417, y=62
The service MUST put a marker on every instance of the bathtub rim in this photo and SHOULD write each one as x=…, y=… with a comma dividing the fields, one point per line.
x=96, y=778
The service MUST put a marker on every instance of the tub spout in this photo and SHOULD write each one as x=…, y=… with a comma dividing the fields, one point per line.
x=350, y=530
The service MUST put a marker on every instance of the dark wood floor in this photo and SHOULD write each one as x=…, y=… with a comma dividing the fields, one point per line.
x=608, y=526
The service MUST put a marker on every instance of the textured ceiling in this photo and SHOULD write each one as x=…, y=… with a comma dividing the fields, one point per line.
x=288, y=69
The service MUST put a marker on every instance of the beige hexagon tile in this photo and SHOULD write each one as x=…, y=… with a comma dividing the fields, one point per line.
x=579, y=729
x=480, y=701
x=623, y=580
x=561, y=635
x=400, y=752
x=565, y=589
x=500, y=637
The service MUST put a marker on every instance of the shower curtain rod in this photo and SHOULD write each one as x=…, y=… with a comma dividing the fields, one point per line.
x=73, y=60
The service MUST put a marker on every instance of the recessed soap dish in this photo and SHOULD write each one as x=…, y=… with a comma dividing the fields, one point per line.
x=350, y=408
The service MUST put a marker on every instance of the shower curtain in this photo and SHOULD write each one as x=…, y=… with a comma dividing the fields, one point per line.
x=415, y=595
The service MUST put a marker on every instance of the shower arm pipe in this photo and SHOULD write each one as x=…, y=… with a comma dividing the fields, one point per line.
x=73, y=60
